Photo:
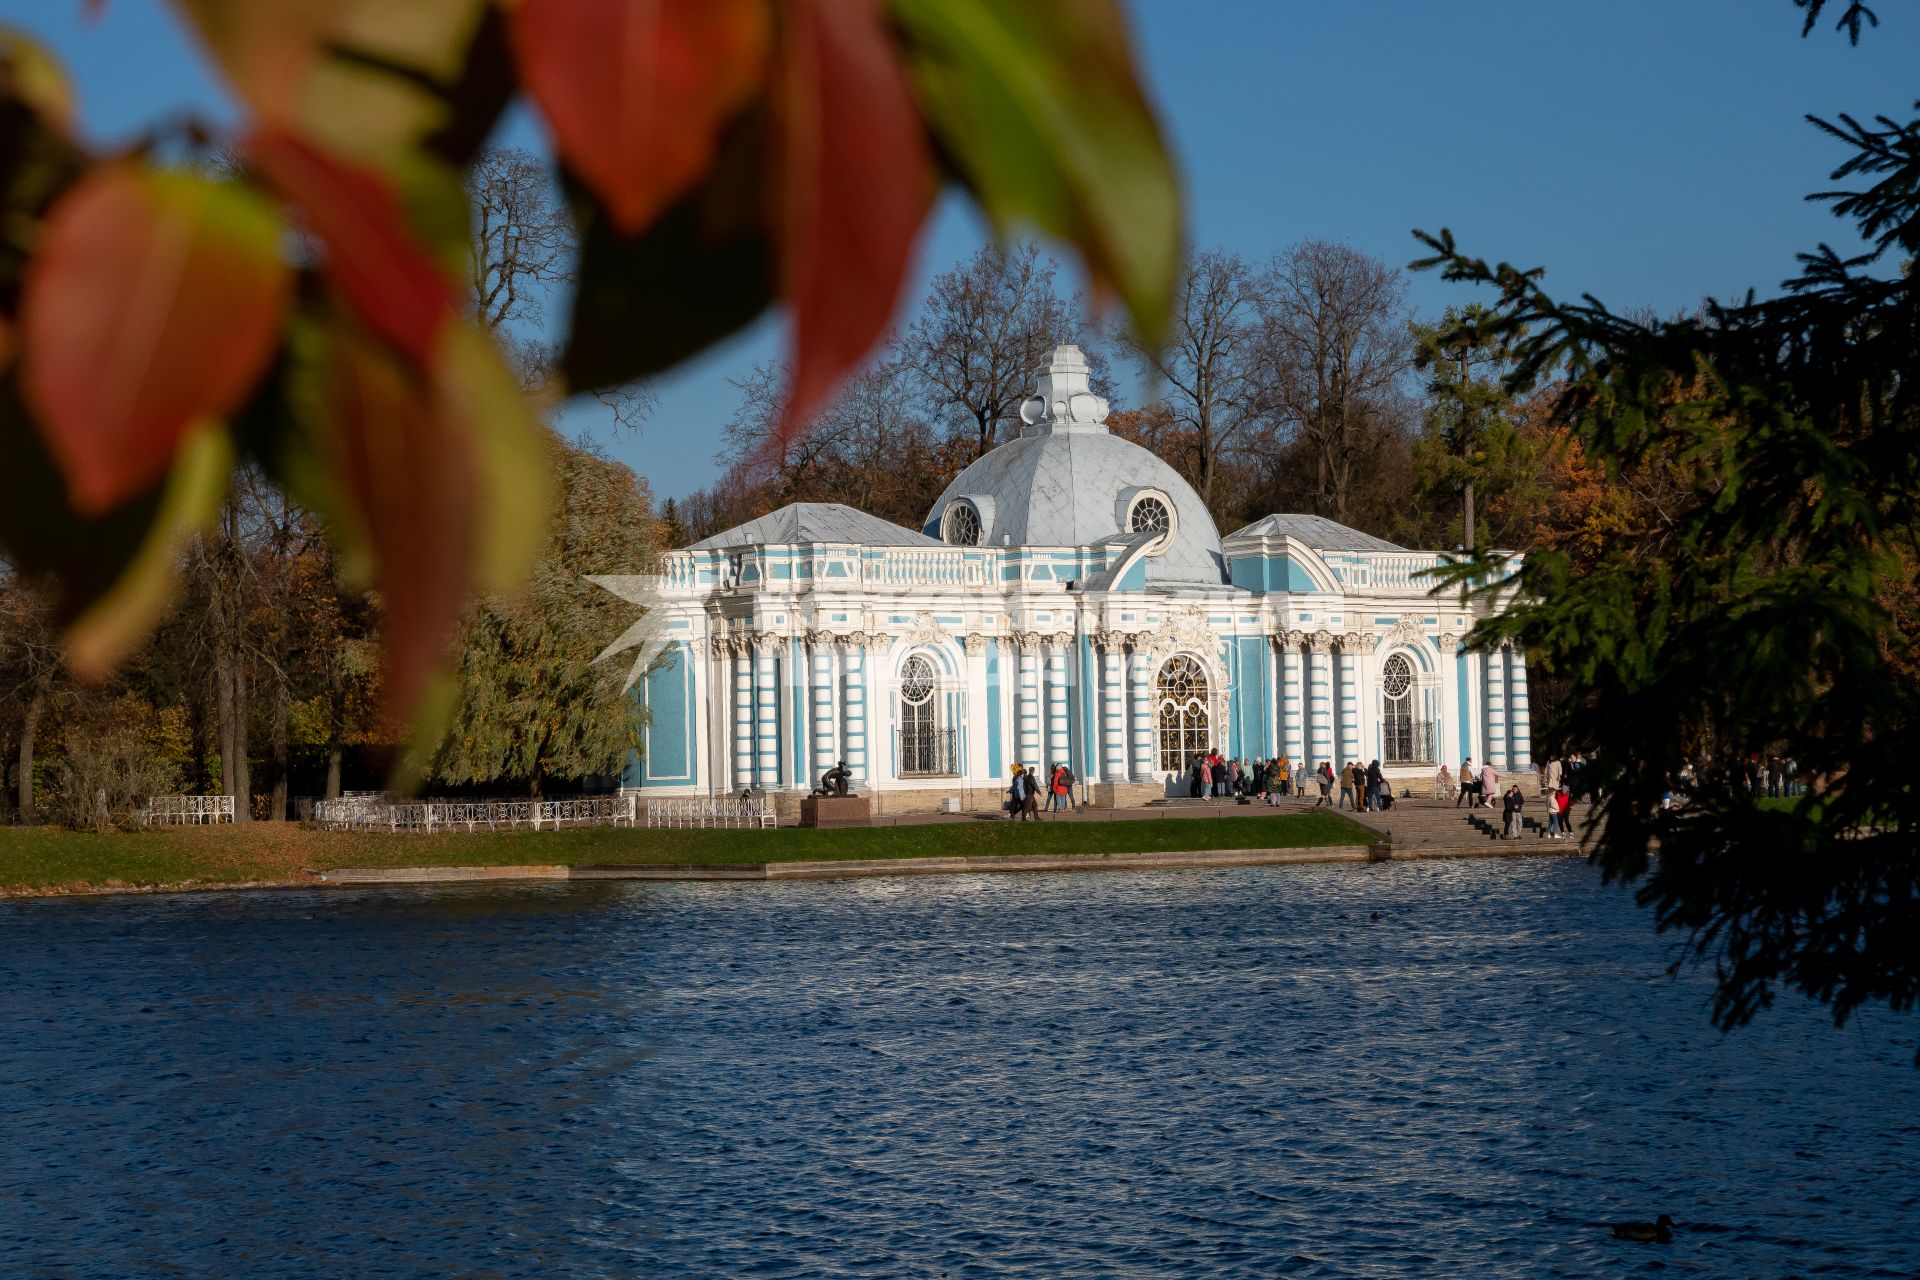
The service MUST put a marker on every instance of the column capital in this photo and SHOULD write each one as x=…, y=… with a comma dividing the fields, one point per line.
x=766, y=644
x=1320, y=641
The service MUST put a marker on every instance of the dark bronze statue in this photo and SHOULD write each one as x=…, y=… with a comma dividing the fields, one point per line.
x=834, y=781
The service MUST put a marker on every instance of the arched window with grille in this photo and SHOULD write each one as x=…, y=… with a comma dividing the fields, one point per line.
x=1404, y=737
x=1186, y=726
x=926, y=747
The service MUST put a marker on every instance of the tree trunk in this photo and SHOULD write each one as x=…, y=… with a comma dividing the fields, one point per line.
x=333, y=771
x=242, y=769
x=1466, y=517
x=277, y=806
x=223, y=697
x=28, y=724
x=197, y=719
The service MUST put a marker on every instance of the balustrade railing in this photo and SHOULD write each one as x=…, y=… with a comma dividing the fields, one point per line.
x=711, y=811
x=180, y=811
x=361, y=813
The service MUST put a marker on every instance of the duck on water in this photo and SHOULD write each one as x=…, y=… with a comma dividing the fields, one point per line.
x=1660, y=1232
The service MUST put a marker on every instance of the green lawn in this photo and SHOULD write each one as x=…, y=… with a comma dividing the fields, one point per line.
x=47, y=858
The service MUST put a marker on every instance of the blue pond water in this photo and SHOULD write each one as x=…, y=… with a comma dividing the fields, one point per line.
x=1183, y=1074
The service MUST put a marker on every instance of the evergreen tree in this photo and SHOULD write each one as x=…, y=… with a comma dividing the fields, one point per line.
x=1469, y=441
x=1768, y=612
x=534, y=705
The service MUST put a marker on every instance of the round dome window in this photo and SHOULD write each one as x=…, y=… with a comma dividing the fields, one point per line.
x=961, y=527
x=1152, y=513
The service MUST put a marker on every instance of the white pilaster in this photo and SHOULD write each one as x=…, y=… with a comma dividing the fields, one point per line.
x=1113, y=710
x=766, y=699
x=1350, y=740
x=826, y=720
x=1057, y=742
x=1320, y=702
x=742, y=715
x=1293, y=707
x=1494, y=667
x=1519, y=713
x=1028, y=751
x=854, y=678
x=1145, y=728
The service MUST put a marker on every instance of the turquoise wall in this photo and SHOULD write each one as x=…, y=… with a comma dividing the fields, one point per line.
x=667, y=695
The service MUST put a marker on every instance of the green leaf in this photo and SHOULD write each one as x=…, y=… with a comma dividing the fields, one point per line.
x=1039, y=108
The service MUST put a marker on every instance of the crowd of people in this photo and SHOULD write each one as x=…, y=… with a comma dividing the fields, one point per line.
x=1025, y=790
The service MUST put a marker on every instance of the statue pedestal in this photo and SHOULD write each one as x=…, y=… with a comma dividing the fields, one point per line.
x=836, y=811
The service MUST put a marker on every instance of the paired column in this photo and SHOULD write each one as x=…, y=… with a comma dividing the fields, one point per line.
x=826, y=725
x=766, y=699
x=1350, y=743
x=854, y=673
x=1293, y=741
x=1494, y=664
x=1140, y=695
x=1057, y=742
x=1029, y=702
x=742, y=713
x=1113, y=709
x=1320, y=700
x=1519, y=715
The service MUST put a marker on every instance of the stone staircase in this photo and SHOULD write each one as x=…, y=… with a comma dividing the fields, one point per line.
x=1434, y=825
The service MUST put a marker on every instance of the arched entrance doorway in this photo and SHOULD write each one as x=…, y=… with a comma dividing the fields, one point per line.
x=1186, y=724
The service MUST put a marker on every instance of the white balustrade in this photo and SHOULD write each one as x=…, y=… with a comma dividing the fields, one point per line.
x=362, y=813
x=711, y=811
x=187, y=811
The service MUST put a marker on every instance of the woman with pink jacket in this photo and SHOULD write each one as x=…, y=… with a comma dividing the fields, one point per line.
x=1489, y=785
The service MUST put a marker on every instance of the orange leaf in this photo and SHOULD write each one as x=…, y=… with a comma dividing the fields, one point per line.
x=637, y=92
x=856, y=181
x=154, y=300
x=407, y=471
x=373, y=257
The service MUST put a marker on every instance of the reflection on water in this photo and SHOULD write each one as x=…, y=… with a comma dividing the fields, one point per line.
x=1179, y=1074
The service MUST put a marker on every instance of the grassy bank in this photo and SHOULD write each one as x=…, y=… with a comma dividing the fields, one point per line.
x=47, y=859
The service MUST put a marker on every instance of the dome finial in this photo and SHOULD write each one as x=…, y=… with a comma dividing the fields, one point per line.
x=1064, y=398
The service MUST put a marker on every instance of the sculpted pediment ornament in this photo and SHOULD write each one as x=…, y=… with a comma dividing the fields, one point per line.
x=1405, y=632
x=923, y=630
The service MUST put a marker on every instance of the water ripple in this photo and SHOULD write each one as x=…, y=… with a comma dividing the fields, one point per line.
x=1162, y=1074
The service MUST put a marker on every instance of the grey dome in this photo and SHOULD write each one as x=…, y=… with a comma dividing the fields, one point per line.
x=1067, y=482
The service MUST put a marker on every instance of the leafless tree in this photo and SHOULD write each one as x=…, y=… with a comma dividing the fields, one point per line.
x=30, y=671
x=1212, y=371
x=983, y=334
x=523, y=239
x=1335, y=334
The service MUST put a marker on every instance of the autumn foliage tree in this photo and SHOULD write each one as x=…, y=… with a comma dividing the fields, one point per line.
x=311, y=308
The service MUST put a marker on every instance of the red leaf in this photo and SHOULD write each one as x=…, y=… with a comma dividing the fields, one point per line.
x=407, y=470
x=154, y=300
x=373, y=257
x=856, y=181
x=637, y=92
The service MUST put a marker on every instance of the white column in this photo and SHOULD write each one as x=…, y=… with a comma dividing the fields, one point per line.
x=1028, y=751
x=826, y=724
x=1519, y=715
x=1293, y=707
x=1113, y=711
x=1494, y=666
x=1350, y=744
x=742, y=715
x=853, y=670
x=1145, y=727
x=1320, y=703
x=766, y=698
x=1057, y=744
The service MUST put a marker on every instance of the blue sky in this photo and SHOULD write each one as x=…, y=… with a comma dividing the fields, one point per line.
x=1649, y=151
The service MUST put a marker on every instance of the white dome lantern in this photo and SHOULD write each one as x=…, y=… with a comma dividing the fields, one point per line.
x=1068, y=482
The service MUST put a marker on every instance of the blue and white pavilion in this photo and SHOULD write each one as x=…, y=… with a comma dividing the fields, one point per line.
x=1067, y=599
